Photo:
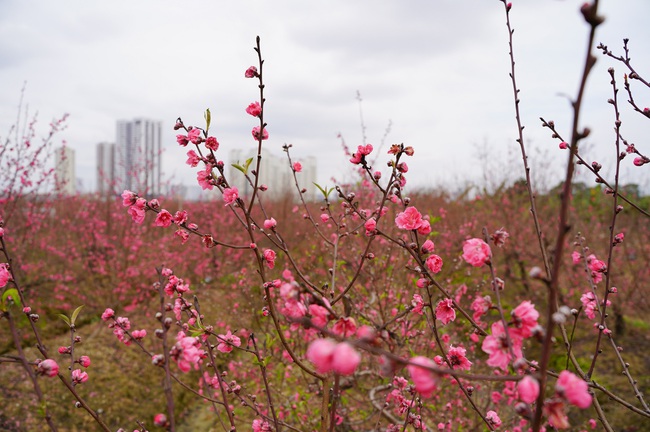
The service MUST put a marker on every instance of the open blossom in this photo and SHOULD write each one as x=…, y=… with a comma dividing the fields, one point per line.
x=5, y=275
x=496, y=346
x=370, y=226
x=108, y=314
x=481, y=306
x=164, y=218
x=524, y=318
x=211, y=143
x=573, y=389
x=269, y=256
x=319, y=315
x=424, y=379
x=227, y=341
x=361, y=153
x=48, y=367
x=345, y=327
x=194, y=135
x=79, y=376
x=193, y=159
x=328, y=356
x=136, y=213
x=445, y=311
x=180, y=217
x=457, y=358
x=476, y=252
x=418, y=304
x=204, y=178
x=254, y=109
x=256, y=133
x=434, y=263
x=576, y=257
x=187, y=352
x=409, y=219
x=230, y=195
x=493, y=418
x=528, y=389
x=128, y=198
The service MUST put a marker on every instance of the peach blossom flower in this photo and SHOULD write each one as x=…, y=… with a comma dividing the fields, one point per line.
x=424, y=379
x=476, y=252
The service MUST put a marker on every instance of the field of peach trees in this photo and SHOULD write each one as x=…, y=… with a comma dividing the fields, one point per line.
x=376, y=308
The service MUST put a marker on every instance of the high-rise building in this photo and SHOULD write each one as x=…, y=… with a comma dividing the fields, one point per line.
x=138, y=156
x=106, y=168
x=275, y=173
x=64, y=170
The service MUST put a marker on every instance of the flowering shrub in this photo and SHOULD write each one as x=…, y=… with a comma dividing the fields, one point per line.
x=342, y=318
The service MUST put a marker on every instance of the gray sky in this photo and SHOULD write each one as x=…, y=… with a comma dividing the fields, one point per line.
x=437, y=69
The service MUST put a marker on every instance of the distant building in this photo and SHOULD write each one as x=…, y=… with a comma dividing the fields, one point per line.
x=64, y=171
x=138, y=156
x=106, y=168
x=275, y=173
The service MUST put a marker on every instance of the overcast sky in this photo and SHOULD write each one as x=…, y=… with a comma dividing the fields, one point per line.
x=437, y=70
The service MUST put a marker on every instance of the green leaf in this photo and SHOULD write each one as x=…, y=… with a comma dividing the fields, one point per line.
x=208, y=119
x=248, y=164
x=65, y=319
x=239, y=167
x=15, y=298
x=326, y=192
x=75, y=314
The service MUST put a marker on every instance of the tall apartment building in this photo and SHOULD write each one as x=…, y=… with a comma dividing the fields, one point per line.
x=275, y=173
x=64, y=170
x=106, y=175
x=138, y=156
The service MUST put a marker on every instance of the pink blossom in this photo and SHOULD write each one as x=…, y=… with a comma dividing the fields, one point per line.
x=424, y=379
x=319, y=315
x=496, y=346
x=554, y=410
x=481, y=306
x=409, y=219
x=136, y=213
x=499, y=237
x=576, y=257
x=261, y=426
x=640, y=161
x=182, y=140
x=320, y=353
x=269, y=257
x=424, y=228
x=564, y=145
x=48, y=367
x=194, y=135
x=192, y=158
x=164, y=219
x=362, y=152
x=160, y=420
x=297, y=167
x=227, y=341
x=204, y=178
x=230, y=195
x=434, y=263
x=84, y=361
x=5, y=275
x=428, y=247
x=182, y=234
x=573, y=389
x=457, y=358
x=254, y=109
x=79, y=376
x=108, y=314
x=128, y=198
x=187, y=353
x=528, y=389
x=370, y=226
x=345, y=327
x=211, y=143
x=345, y=359
x=139, y=334
x=270, y=223
x=251, y=72
x=180, y=217
x=256, y=133
x=493, y=418
x=476, y=252
x=524, y=318
x=418, y=304
x=445, y=311
x=324, y=217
